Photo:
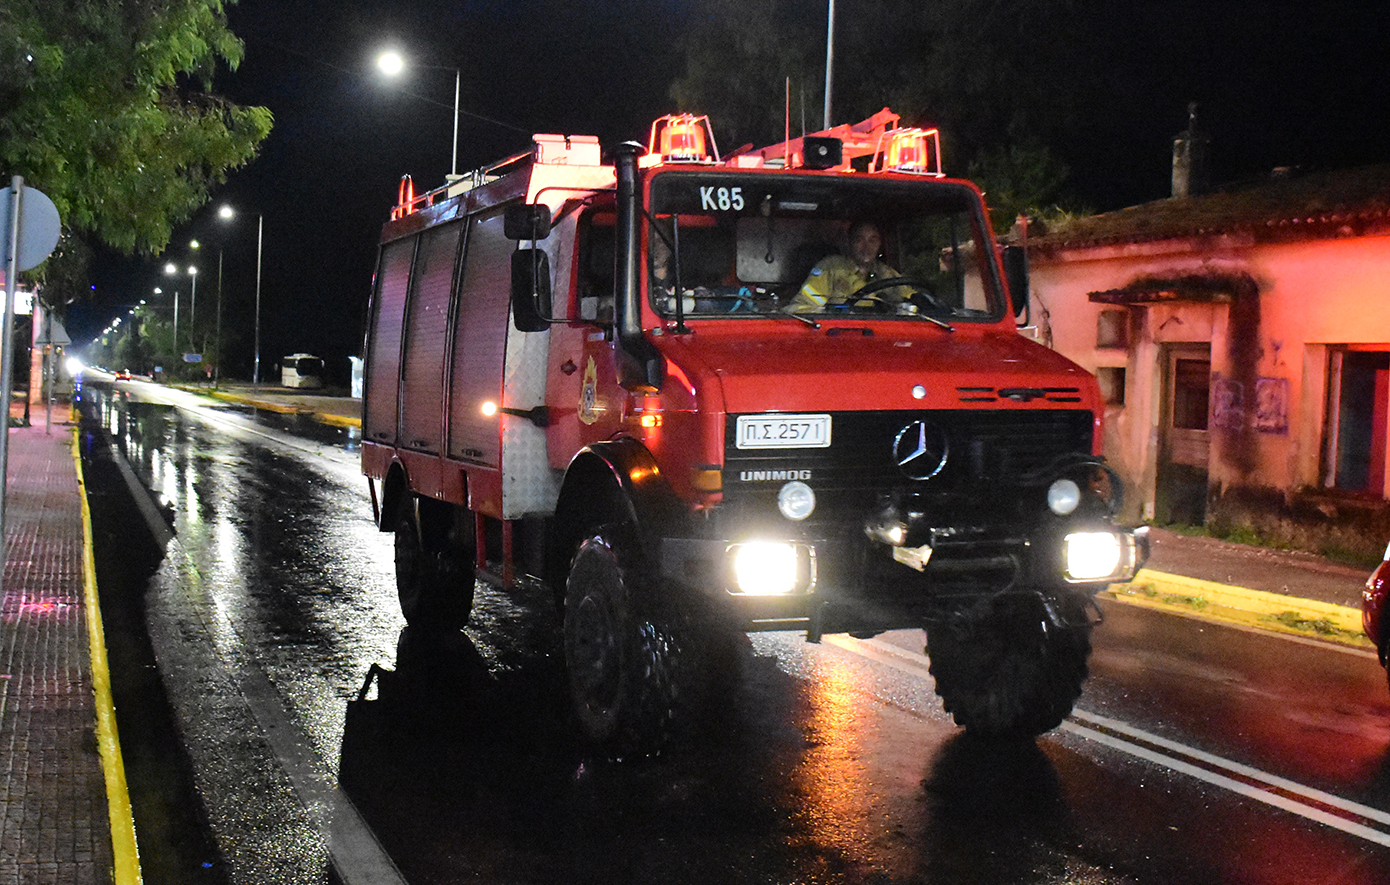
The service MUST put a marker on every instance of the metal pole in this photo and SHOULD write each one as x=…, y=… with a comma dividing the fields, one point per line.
x=217, y=359
x=256, y=366
x=174, y=369
x=193, y=304
x=7, y=348
x=829, y=58
x=454, y=168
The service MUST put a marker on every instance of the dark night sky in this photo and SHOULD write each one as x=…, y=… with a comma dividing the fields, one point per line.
x=1282, y=84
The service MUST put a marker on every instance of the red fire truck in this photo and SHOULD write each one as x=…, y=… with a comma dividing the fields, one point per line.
x=615, y=378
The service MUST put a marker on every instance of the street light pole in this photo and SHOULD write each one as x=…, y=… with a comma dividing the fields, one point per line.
x=829, y=58
x=193, y=307
x=256, y=368
x=217, y=357
x=193, y=301
x=454, y=166
x=172, y=270
x=392, y=63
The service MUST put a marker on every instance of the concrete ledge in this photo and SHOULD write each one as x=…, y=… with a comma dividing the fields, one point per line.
x=1253, y=608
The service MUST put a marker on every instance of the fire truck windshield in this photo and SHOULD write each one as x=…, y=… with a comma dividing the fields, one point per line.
x=749, y=244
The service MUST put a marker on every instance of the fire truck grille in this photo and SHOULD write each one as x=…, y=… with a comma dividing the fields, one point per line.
x=949, y=451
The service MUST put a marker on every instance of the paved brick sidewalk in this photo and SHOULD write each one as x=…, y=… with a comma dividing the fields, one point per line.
x=53, y=809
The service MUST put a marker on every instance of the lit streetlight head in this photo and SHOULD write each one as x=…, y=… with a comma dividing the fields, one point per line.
x=192, y=271
x=390, y=63
x=226, y=212
x=171, y=268
x=194, y=244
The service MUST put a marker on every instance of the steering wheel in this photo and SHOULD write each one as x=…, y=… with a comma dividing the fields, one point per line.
x=918, y=287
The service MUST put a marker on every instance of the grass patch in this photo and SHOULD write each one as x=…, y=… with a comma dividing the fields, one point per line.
x=1354, y=558
x=1320, y=626
x=1148, y=591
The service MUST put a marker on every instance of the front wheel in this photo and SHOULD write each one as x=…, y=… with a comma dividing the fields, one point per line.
x=620, y=662
x=1007, y=668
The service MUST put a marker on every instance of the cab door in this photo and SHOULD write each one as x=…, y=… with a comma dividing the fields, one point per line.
x=582, y=394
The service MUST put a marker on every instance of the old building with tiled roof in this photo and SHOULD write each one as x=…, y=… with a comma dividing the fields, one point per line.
x=1243, y=342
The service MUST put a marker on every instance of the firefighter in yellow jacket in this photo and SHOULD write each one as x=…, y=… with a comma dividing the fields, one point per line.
x=836, y=277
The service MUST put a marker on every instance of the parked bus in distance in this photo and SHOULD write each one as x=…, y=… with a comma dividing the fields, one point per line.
x=301, y=370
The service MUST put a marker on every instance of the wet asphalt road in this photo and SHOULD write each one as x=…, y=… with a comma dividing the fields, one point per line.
x=326, y=743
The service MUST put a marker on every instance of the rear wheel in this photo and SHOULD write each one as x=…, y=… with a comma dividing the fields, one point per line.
x=434, y=565
x=621, y=663
x=1006, y=669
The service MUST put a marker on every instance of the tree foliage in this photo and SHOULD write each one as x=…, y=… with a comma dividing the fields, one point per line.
x=105, y=106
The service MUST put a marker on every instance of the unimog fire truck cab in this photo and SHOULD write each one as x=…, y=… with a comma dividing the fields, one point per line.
x=603, y=376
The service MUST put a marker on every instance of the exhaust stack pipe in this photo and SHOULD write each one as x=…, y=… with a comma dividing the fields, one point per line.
x=640, y=365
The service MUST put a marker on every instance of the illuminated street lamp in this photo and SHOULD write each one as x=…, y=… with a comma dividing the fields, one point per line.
x=393, y=64
x=227, y=213
x=193, y=305
x=172, y=269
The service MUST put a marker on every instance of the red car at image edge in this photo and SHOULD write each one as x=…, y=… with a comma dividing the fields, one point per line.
x=1373, y=606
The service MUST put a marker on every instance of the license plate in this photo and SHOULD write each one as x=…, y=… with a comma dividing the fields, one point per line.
x=783, y=431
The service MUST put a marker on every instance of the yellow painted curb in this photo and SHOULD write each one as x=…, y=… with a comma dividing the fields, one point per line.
x=337, y=420
x=1271, y=611
x=260, y=404
x=125, y=851
x=283, y=409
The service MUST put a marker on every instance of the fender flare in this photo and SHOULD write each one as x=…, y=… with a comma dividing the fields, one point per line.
x=615, y=481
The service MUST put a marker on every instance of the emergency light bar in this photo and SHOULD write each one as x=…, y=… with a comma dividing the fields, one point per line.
x=682, y=138
x=912, y=150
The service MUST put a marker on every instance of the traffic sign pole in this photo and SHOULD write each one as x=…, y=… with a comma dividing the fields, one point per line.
x=37, y=219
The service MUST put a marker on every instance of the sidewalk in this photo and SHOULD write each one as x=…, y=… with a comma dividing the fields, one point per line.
x=1281, y=590
x=55, y=817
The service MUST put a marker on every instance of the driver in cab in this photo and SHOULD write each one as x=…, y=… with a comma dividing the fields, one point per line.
x=835, y=278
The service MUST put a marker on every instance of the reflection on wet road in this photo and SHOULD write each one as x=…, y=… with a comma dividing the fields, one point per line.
x=298, y=687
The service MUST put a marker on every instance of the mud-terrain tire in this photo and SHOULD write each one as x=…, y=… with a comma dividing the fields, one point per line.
x=435, y=590
x=1006, y=670
x=621, y=663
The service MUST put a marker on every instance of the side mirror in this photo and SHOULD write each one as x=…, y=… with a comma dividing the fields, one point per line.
x=530, y=290
x=526, y=222
x=1016, y=278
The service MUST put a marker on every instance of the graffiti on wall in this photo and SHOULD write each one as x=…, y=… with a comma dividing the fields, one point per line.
x=1268, y=414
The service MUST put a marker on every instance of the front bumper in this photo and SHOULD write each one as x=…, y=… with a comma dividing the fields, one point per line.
x=852, y=582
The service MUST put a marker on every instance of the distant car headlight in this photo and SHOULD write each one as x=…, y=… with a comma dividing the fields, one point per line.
x=1096, y=556
x=767, y=568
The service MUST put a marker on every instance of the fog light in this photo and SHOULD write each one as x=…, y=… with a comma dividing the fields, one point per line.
x=1093, y=556
x=1063, y=496
x=765, y=568
x=796, y=500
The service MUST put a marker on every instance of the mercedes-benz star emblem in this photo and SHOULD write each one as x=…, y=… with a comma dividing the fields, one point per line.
x=920, y=450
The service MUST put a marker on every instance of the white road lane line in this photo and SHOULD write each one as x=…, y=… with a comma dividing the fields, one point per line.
x=914, y=664
x=1240, y=788
x=1245, y=771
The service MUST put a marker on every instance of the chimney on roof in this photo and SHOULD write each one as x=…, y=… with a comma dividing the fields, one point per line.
x=1190, y=158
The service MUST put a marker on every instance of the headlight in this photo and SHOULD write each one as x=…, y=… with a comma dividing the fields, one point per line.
x=1063, y=496
x=767, y=568
x=1095, y=556
x=796, y=500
